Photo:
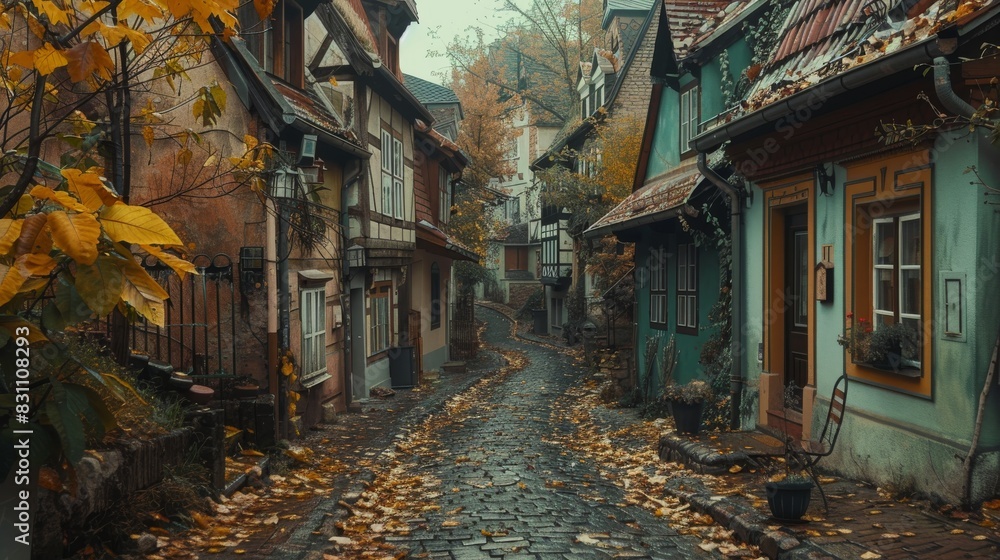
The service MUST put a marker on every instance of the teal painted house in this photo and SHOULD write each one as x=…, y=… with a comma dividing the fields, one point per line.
x=678, y=279
x=876, y=239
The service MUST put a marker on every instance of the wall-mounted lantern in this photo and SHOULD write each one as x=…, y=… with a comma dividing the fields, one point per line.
x=356, y=256
x=313, y=174
x=307, y=150
x=284, y=184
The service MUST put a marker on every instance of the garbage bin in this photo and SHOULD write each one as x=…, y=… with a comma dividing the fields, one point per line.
x=402, y=367
x=541, y=320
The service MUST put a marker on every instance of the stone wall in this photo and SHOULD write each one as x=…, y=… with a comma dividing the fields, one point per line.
x=104, y=478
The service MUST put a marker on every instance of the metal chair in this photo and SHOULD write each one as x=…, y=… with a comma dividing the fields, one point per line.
x=808, y=453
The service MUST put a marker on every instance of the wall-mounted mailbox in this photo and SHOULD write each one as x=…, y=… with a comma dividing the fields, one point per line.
x=824, y=282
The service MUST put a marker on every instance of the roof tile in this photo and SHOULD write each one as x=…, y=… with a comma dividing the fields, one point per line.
x=660, y=194
x=428, y=92
x=822, y=38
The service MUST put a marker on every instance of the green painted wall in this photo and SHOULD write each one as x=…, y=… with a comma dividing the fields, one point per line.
x=753, y=311
x=740, y=56
x=688, y=346
x=925, y=434
x=665, y=153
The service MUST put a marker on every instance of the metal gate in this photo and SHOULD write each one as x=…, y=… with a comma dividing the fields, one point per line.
x=464, y=334
x=199, y=332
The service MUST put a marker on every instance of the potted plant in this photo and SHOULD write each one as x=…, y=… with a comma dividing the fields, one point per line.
x=686, y=401
x=890, y=346
x=788, y=496
x=686, y=404
x=788, y=488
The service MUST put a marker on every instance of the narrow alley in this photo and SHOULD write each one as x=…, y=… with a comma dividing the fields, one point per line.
x=507, y=488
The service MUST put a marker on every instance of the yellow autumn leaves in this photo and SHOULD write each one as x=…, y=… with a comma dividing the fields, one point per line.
x=84, y=228
x=98, y=26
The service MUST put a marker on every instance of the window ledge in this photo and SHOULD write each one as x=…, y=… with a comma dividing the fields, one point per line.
x=904, y=371
x=316, y=379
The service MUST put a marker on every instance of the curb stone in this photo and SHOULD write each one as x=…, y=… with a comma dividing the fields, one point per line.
x=748, y=524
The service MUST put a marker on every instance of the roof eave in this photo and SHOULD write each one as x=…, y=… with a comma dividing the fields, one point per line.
x=330, y=138
x=386, y=84
x=546, y=160
x=922, y=52
x=633, y=223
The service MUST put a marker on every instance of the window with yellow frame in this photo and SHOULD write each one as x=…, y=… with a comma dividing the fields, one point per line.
x=887, y=252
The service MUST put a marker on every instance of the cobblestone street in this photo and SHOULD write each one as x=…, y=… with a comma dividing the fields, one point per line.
x=503, y=487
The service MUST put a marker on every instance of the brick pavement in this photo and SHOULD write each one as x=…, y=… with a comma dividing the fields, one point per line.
x=358, y=439
x=862, y=521
x=509, y=491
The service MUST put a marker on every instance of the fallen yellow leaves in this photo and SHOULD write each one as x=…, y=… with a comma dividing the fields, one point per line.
x=500, y=533
x=627, y=457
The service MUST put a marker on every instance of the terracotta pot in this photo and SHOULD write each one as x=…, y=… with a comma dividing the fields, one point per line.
x=200, y=394
x=246, y=391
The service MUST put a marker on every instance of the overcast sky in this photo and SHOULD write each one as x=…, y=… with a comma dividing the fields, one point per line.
x=440, y=22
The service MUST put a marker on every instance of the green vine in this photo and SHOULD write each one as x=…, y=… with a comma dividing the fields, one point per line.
x=716, y=358
x=727, y=85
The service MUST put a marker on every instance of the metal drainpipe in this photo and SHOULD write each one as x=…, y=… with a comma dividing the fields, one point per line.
x=349, y=178
x=944, y=91
x=284, y=306
x=736, y=227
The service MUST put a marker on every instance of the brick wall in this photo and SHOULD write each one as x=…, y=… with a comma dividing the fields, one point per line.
x=633, y=97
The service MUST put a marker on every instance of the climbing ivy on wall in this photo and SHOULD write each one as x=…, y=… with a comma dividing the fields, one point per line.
x=762, y=35
x=708, y=230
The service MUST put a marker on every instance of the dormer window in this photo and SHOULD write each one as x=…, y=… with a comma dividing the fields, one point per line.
x=690, y=116
x=276, y=43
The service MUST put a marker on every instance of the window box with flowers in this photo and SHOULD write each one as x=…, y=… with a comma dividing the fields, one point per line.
x=892, y=347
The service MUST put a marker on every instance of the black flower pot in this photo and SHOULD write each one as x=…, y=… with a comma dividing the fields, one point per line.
x=687, y=416
x=788, y=500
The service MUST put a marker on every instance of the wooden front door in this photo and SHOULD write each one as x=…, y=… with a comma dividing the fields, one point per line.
x=796, y=289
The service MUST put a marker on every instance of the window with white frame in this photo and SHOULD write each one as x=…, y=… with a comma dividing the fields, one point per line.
x=513, y=210
x=379, y=325
x=690, y=116
x=312, y=312
x=658, y=288
x=392, y=176
x=896, y=278
x=687, y=288
x=512, y=149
